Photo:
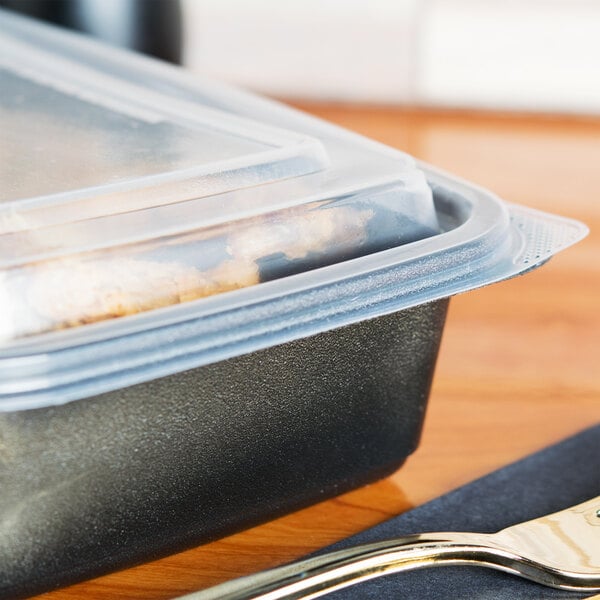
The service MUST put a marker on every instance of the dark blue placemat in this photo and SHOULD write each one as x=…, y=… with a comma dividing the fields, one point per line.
x=548, y=481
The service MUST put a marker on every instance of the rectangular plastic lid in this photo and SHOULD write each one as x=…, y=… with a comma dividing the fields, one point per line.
x=121, y=194
x=96, y=302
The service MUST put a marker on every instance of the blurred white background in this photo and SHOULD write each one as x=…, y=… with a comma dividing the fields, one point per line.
x=532, y=55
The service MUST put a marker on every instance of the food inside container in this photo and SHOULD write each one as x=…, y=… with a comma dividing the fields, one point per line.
x=96, y=285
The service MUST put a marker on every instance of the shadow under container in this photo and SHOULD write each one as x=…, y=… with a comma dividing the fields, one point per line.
x=245, y=326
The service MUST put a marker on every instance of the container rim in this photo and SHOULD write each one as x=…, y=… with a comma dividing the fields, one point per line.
x=495, y=242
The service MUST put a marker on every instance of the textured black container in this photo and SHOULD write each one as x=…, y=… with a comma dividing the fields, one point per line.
x=110, y=481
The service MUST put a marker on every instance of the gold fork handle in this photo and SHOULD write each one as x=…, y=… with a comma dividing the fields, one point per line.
x=324, y=574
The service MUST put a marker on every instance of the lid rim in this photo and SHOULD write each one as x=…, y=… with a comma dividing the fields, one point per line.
x=491, y=254
x=384, y=284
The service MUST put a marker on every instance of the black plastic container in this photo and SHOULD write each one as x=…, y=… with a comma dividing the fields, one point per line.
x=136, y=474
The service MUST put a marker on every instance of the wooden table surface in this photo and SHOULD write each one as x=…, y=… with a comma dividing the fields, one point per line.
x=518, y=367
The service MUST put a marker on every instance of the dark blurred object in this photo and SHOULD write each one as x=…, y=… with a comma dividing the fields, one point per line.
x=149, y=26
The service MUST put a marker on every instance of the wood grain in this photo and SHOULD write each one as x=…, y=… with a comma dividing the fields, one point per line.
x=518, y=367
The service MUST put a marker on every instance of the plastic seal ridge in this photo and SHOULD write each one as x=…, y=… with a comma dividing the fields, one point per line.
x=537, y=235
x=543, y=235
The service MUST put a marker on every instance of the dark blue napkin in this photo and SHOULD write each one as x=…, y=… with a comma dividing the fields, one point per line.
x=548, y=481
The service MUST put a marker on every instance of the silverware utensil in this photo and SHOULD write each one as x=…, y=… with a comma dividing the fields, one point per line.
x=560, y=550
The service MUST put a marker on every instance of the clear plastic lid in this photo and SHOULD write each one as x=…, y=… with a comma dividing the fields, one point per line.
x=119, y=197
x=183, y=254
